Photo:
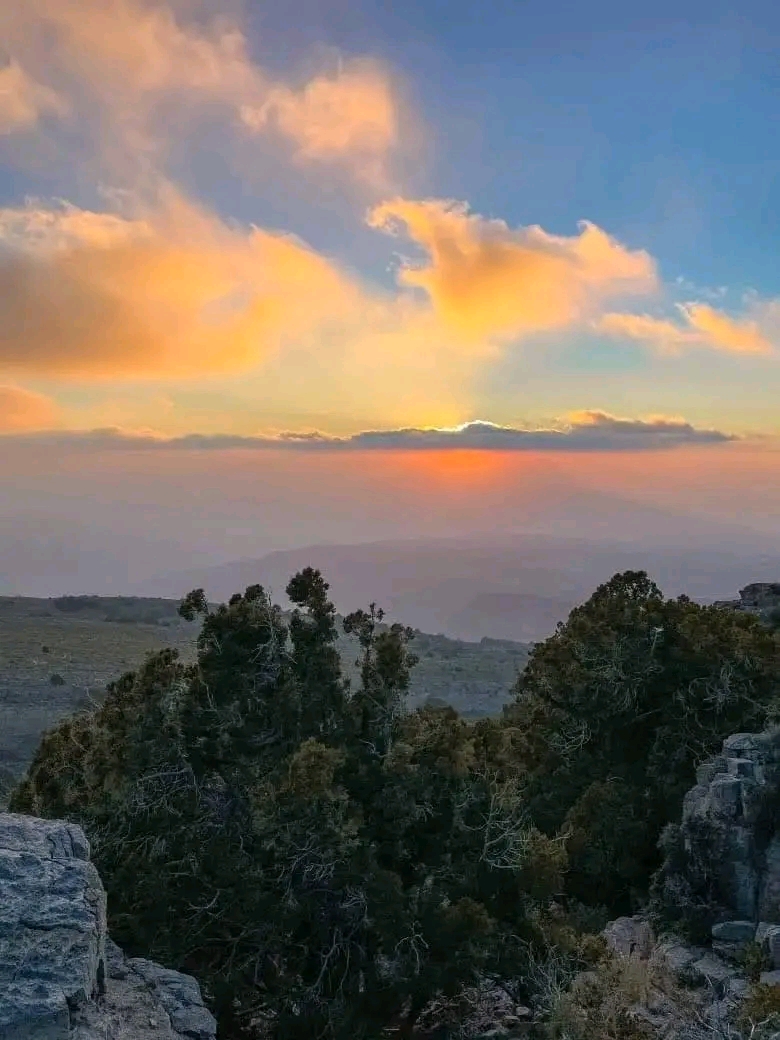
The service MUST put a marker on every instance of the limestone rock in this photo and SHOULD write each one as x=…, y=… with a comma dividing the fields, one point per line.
x=711, y=970
x=771, y=941
x=769, y=890
x=52, y=927
x=761, y=598
x=729, y=836
x=61, y=977
x=680, y=957
x=168, y=1008
x=629, y=936
x=180, y=997
x=734, y=931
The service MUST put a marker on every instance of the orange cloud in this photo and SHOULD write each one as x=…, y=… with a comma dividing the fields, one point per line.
x=22, y=410
x=725, y=333
x=23, y=101
x=142, y=72
x=487, y=281
x=171, y=292
x=703, y=327
x=352, y=113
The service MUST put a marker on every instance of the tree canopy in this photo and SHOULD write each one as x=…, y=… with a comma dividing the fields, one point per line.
x=615, y=710
x=329, y=863
x=320, y=858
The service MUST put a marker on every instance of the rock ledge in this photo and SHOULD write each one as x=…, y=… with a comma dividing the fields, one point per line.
x=61, y=977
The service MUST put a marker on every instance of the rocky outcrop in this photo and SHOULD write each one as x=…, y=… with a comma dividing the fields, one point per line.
x=761, y=598
x=737, y=797
x=690, y=993
x=629, y=937
x=61, y=977
x=721, y=882
x=723, y=861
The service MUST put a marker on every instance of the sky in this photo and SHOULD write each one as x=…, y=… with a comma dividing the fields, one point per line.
x=342, y=236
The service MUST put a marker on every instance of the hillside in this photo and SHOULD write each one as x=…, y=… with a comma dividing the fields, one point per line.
x=512, y=586
x=57, y=654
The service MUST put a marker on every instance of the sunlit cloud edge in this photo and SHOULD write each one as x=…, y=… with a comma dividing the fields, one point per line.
x=589, y=431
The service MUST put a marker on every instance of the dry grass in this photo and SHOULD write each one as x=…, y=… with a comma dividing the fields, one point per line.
x=620, y=999
x=760, y=1014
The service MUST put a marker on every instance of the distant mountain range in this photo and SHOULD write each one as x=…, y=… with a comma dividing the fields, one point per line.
x=513, y=578
x=510, y=588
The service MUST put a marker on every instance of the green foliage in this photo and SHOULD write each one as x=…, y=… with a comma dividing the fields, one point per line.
x=603, y=830
x=614, y=711
x=760, y=1012
x=326, y=860
x=7, y=783
x=685, y=890
x=318, y=857
x=754, y=959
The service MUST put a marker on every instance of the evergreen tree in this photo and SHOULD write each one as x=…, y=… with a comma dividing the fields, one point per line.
x=615, y=710
x=324, y=861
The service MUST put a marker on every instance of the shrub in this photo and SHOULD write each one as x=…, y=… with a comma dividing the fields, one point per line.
x=319, y=856
x=56, y=679
x=754, y=959
x=610, y=1001
x=614, y=711
x=760, y=1012
x=685, y=890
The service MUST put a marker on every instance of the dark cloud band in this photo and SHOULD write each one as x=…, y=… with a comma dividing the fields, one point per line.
x=596, y=432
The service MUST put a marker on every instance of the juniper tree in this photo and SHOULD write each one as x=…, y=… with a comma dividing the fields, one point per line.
x=320, y=858
x=614, y=711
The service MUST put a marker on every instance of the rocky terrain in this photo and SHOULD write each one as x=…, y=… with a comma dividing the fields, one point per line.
x=724, y=858
x=61, y=977
x=723, y=870
x=761, y=598
x=702, y=961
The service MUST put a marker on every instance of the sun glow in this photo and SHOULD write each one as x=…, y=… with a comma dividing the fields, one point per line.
x=453, y=469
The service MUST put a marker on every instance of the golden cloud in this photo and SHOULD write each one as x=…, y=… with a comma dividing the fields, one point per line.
x=725, y=333
x=487, y=281
x=703, y=326
x=141, y=72
x=172, y=292
x=23, y=101
x=22, y=410
x=352, y=113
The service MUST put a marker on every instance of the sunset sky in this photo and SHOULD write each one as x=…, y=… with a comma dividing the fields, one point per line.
x=374, y=233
